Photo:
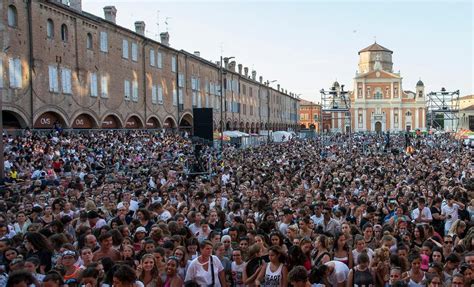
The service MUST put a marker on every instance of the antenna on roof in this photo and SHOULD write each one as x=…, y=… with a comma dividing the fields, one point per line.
x=375, y=39
x=166, y=22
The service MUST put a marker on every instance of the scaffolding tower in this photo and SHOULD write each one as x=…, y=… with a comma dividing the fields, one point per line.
x=443, y=110
x=335, y=110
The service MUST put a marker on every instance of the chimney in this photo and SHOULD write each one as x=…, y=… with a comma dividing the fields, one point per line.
x=76, y=5
x=278, y=87
x=165, y=38
x=254, y=75
x=110, y=13
x=140, y=27
x=260, y=79
x=232, y=66
x=246, y=71
x=226, y=62
x=240, y=68
x=197, y=53
x=218, y=63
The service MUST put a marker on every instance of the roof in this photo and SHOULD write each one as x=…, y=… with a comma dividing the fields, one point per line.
x=375, y=48
x=420, y=83
x=307, y=103
x=468, y=97
x=468, y=108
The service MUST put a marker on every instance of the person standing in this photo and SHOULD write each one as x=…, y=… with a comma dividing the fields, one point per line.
x=450, y=212
x=206, y=269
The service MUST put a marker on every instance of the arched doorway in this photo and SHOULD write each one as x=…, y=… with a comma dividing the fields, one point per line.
x=227, y=126
x=12, y=121
x=186, y=123
x=378, y=127
x=133, y=122
x=49, y=120
x=84, y=121
x=153, y=123
x=169, y=123
x=111, y=122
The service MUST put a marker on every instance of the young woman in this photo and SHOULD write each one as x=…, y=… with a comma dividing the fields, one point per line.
x=181, y=256
x=200, y=272
x=341, y=251
x=321, y=254
x=273, y=273
x=307, y=247
x=237, y=268
x=361, y=274
x=418, y=237
x=147, y=271
x=38, y=245
x=253, y=266
x=260, y=240
x=415, y=276
x=172, y=277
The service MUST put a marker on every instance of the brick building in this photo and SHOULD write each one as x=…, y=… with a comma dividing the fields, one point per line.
x=310, y=115
x=61, y=64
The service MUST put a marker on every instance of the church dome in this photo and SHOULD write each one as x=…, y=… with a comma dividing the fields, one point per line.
x=419, y=83
x=336, y=84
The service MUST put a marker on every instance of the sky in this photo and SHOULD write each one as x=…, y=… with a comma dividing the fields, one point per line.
x=307, y=45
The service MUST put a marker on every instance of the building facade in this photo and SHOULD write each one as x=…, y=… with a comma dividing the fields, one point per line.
x=378, y=102
x=466, y=113
x=310, y=115
x=60, y=64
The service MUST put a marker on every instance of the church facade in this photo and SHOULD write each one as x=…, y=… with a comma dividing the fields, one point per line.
x=378, y=101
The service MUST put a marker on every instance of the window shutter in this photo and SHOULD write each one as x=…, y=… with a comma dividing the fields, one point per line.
x=135, y=91
x=104, y=87
x=104, y=46
x=134, y=52
x=160, y=60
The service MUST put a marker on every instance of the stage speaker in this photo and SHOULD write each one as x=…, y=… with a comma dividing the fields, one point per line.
x=203, y=124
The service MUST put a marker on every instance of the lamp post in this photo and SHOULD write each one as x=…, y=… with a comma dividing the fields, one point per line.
x=268, y=114
x=222, y=109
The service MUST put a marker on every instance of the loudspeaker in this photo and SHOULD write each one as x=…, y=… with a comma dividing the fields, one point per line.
x=203, y=124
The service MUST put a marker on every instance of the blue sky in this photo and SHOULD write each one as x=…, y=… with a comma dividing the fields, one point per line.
x=306, y=45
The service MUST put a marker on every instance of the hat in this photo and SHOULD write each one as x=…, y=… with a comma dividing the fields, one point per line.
x=287, y=211
x=141, y=229
x=68, y=253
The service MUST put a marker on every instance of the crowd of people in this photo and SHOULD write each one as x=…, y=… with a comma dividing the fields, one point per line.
x=124, y=208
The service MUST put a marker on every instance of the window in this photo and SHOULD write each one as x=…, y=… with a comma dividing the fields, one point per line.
x=160, y=60
x=124, y=49
x=194, y=99
x=378, y=95
x=64, y=33
x=66, y=80
x=173, y=64
x=104, y=87
x=396, y=118
x=126, y=90
x=134, y=52
x=12, y=16
x=420, y=94
x=104, y=46
x=359, y=93
x=154, y=94
x=408, y=114
x=160, y=94
x=135, y=91
x=175, y=97
x=15, y=73
x=50, y=29
x=1, y=73
x=395, y=92
x=89, y=41
x=93, y=84
x=152, y=57
x=181, y=80
x=53, y=79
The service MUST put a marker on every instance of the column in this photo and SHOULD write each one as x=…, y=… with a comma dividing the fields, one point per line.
x=415, y=124
x=363, y=89
x=391, y=90
x=364, y=119
x=392, y=117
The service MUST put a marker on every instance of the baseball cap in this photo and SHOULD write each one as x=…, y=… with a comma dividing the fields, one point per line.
x=141, y=229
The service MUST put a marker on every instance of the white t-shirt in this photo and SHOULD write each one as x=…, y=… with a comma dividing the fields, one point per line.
x=238, y=274
x=340, y=274
x=453, y=212
x=425, y=214
x=165, y=215
x=202, y=277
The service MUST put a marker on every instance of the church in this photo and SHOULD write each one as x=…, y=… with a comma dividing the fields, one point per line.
x=378, y=101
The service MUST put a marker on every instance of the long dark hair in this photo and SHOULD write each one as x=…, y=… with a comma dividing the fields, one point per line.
x=38, y=241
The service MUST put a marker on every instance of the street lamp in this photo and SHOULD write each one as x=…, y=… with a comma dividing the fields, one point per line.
x=268, y=114
x=222, y=94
